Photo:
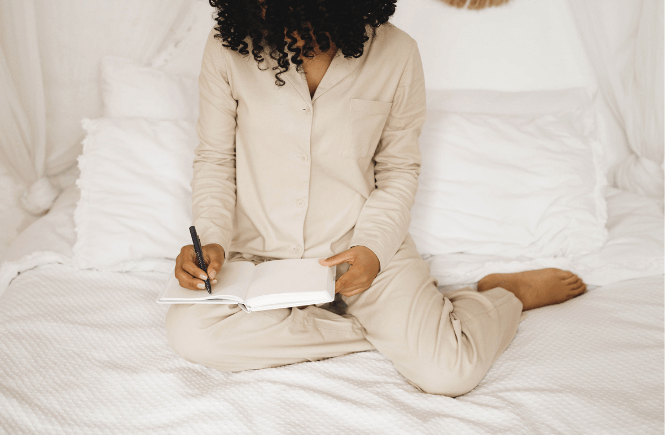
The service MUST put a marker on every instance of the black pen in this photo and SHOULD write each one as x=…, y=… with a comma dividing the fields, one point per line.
x=199, y=255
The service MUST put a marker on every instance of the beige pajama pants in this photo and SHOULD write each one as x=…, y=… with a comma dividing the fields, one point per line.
x=440, y=344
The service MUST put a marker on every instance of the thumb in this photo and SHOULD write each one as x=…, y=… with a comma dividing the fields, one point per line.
x=337, y=259
x=215, y=261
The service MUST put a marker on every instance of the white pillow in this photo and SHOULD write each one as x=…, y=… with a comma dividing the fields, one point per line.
x=510, y=174
x=131, y=90
x=135, y=206
x=634, y=249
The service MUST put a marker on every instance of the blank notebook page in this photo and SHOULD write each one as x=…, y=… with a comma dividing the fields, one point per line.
x=232, y=279
x=288, y=276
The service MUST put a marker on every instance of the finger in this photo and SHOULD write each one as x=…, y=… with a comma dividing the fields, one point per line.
x=354, y=290
x=188, y=281
x=346, y=280
x=215, y=259
x=337, y=259
x=340, y=285
x=193, y=269
x=184, y=253
x=187, y=271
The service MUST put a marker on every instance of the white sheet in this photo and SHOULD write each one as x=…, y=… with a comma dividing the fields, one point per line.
x=86, y=352
x=47, y=240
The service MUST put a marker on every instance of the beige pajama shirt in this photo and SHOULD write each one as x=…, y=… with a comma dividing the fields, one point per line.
x=279, y=174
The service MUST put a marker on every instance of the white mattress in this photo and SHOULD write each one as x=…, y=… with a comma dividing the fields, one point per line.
x=86, y=352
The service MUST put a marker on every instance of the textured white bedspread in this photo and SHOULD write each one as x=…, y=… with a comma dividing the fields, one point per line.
x=86, y=352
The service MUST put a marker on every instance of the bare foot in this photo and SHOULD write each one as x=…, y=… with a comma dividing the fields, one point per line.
x=537, y=288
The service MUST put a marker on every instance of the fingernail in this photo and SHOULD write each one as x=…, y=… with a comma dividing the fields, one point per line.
x=212, y=274
x=201, y=286
x=203, y=277
x=214, y=281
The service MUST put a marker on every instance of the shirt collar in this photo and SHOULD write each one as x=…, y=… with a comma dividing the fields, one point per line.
x=340, y=67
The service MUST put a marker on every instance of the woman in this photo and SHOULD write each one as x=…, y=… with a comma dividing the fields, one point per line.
x=309, y=120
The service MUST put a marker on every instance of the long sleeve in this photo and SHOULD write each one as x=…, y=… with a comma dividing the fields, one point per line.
x=214, y=180
x=386, y=215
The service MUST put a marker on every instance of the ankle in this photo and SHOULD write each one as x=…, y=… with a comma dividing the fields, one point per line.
x=489, y=282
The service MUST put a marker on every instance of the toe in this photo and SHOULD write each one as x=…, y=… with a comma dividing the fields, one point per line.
x=572, y=280
x=572, y=284
x=578, y=288
x=580, y=291
x=565, y=274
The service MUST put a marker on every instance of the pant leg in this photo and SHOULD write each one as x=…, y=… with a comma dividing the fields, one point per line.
x=227, y=338
x=441, y=344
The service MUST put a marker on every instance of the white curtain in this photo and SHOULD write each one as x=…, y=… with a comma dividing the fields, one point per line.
x=49, y=58
x=50, y=51
x=624, y=41
x=22, y=105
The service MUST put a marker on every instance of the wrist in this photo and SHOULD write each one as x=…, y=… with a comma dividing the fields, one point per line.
x=218, y=246
x=371, y=253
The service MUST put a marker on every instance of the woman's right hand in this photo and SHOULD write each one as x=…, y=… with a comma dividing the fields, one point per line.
x=187, y=271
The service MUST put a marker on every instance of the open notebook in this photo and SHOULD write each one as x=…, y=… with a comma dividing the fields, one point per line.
x=265, y=286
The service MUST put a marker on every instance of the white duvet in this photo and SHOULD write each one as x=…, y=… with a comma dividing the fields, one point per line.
x=86, y=352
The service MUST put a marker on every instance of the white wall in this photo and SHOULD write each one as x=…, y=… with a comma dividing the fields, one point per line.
x=522, y=45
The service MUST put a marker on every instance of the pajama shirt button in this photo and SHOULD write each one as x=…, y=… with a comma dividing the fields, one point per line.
x=300, y=203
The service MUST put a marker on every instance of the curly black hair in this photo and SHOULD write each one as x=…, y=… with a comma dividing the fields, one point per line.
x=316, y=22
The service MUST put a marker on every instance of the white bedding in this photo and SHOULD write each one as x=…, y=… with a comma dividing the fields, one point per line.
x=634, y=248
x=86, y=352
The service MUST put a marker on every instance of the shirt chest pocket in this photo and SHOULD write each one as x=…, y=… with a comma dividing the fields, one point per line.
x=366, y=121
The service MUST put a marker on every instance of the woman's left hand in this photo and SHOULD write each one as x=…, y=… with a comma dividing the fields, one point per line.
x=364, y=266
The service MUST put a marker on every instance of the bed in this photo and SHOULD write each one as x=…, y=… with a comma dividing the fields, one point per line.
x=83, y=346
x=85, y=351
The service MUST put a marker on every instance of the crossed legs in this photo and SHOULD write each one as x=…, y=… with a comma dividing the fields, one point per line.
x=441, y=344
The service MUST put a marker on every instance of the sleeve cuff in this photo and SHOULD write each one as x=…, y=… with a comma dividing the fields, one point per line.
x=221, y=240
